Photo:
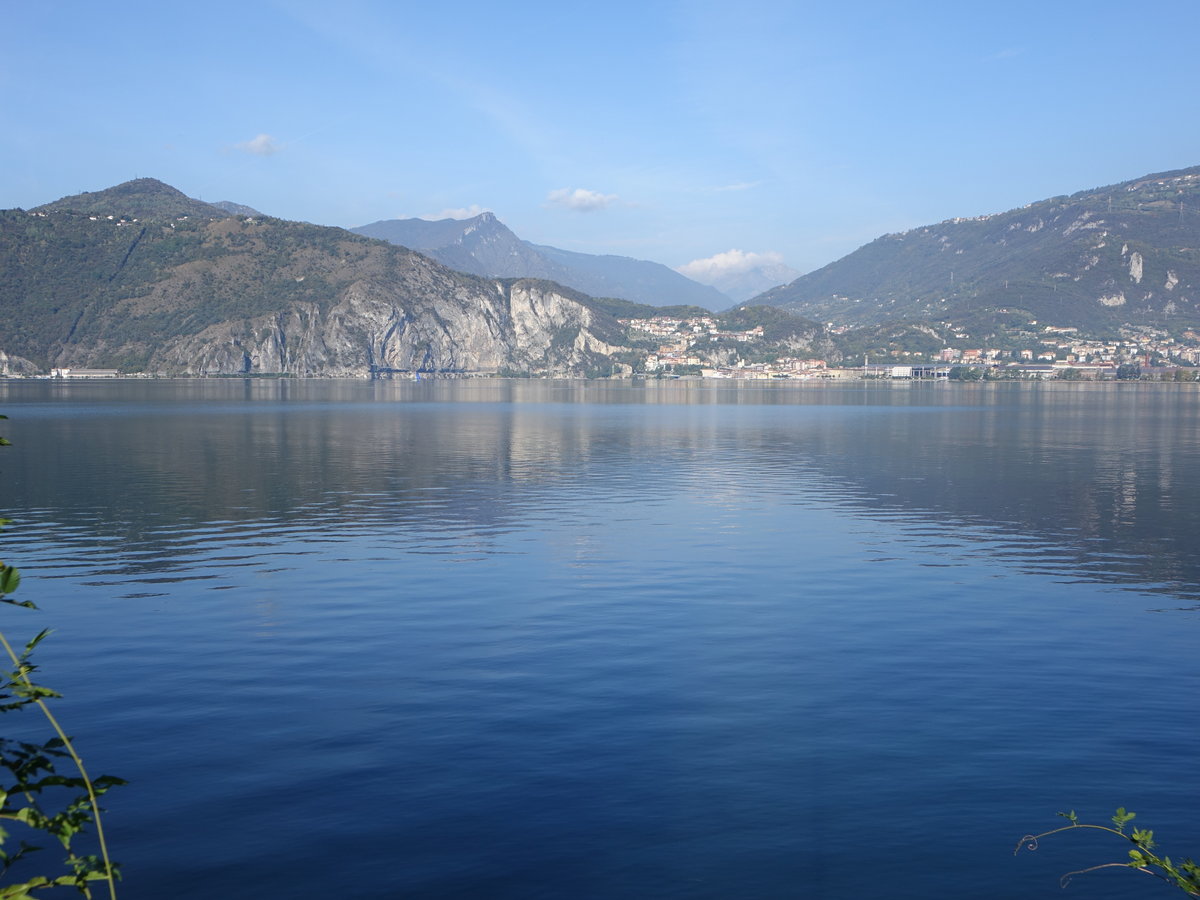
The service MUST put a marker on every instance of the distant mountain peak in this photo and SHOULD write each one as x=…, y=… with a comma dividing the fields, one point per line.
x=145, y=186
x=484, y=222
x=483, y=245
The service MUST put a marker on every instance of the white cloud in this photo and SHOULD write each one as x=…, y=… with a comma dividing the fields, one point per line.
x=731, y=262
x=580, y=199
x=263, y=145
x=461, y=212
x=740, y=186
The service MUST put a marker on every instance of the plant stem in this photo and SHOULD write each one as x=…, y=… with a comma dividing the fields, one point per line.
x=108, y=872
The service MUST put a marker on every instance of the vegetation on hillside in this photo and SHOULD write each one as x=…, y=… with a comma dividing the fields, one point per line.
x=1096, y=259
x=778, y=325
x=126, y=286
x=107, y=279
x=142, y=198
x=627, y=309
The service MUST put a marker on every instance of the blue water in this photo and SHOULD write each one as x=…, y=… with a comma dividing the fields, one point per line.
x=527, y=639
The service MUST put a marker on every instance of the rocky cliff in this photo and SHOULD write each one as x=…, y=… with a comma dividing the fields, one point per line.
x=521, y=326
x=143, y=279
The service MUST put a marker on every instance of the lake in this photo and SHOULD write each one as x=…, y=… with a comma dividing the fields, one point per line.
x=531, y=639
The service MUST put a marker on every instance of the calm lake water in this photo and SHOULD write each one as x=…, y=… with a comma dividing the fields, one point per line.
x=514, y=639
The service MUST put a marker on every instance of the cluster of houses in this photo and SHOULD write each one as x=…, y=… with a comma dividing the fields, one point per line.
x=678, y=352
x=1060, y=348
x=690, y=329
x=1136, y=344
x=686, y=346
x=784, y=367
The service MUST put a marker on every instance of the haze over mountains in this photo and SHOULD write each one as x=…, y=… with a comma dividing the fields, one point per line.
x=740, y=275
x=483, y=245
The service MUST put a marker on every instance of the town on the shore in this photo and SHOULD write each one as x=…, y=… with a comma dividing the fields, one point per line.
x=698, y=347
x=686, y=347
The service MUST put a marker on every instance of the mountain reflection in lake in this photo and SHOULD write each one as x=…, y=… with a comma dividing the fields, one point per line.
x=535, y=639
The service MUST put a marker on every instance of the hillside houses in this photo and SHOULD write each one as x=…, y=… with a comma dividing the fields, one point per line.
x=665, y=326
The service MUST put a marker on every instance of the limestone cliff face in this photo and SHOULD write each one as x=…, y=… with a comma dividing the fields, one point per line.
x=376, y=326
x=144, y=280
x=15, y=365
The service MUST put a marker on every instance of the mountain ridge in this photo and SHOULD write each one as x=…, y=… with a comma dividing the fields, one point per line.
x=139, y=198
x=1126, y=252
x=140, y=277
x=483, y=245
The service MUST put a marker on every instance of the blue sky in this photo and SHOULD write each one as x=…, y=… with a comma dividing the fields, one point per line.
x=659, y=130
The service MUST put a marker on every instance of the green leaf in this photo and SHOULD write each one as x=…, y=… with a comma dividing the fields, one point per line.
x=37, y=639
x=1122, y=818
x=9, y=579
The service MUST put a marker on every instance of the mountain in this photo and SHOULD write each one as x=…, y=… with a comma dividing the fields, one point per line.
x=236, y=209
x=142, y=198
x=739, y=275
x=146, y=198
x=1127, y=253
x=632, y=279
x=483, y=245
x=142, y=278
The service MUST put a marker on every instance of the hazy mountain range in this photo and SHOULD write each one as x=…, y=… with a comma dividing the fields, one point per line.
x=483, y=245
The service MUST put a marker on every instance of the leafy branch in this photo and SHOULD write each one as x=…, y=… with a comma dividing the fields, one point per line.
x=1184, y=875
x=32, y=776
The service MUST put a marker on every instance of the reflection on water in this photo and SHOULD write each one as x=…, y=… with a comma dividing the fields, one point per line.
x=672, y=639
x=1096, y=481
